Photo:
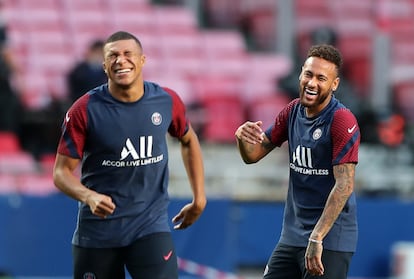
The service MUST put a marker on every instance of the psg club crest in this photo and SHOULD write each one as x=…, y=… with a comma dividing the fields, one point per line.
x=317, y=134
x=156, y=118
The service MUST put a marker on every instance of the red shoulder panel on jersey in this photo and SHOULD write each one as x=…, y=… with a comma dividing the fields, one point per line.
x=74, y=127
x=180, y=123
x=345, y=137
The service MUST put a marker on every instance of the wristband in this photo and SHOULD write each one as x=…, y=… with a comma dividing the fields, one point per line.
x=315, y=241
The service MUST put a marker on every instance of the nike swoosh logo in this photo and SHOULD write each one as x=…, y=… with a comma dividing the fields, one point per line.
x=350, y=130
x=168, y=256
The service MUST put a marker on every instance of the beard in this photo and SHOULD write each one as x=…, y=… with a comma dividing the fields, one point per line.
x=317, y=99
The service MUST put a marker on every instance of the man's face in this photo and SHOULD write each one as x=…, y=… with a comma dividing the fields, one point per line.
x=123, y=62
x=318, y=79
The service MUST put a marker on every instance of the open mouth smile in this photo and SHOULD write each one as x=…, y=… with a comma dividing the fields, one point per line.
x=311, y=92
x=122, y=71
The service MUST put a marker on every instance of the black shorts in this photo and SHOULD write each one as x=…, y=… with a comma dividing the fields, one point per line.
x=151, y=257
x=288, y=262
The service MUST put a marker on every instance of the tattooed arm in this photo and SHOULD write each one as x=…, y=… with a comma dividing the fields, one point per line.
x=252, y=143
x=344, y=176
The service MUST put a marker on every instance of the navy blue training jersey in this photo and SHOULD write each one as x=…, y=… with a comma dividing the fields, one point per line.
x=315, y=146
x=123, y=148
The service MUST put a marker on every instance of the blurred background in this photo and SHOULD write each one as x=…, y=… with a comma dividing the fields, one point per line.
x=230, y=61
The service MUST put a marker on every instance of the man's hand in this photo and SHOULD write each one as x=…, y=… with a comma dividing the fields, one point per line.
x=250, y=132
x=187, y=216
x=313, y=258
x=100, y=205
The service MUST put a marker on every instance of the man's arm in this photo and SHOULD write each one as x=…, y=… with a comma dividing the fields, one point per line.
x=344, y=186
x=194, y=165
x=252, y=143
x=66, y=181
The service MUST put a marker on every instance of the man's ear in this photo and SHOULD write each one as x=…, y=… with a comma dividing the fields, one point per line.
x=336, y=84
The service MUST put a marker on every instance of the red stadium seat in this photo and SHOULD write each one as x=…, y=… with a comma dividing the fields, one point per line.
x=264, y=72
x=9, y=143
x=35, y=4
x=182, y=45
x=222, y=43
x=206, y=85
x=91, y=22
x=186, y=66
x=41, y=19
x=224, y=113
x=174, y=19
x=137, y=22
x=269, y=66
x=50, y=63
x=222, y=53
x=81, y=5
x=129, y=6
x=46, y=52
x=236, y=67
x=352, y=9
x=43, y=43
x=266, y=108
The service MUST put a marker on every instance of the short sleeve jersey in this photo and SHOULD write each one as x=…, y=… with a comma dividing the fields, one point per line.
x=315, y=146
x=123, y=148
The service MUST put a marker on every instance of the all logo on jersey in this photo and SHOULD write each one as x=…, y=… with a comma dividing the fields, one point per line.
x=135, y=153
x=302, y=156
x=303, y=163
x=145, y=148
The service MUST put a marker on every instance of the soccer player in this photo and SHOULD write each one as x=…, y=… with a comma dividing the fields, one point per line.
x=117, y=132
x=319, y=233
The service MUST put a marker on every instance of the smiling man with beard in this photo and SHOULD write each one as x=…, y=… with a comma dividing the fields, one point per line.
x=319, y=233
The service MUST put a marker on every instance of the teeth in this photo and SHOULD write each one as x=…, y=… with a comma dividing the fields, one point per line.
x=123, y=71
x=311, y=92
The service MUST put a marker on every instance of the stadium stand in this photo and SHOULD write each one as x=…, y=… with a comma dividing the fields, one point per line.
x=9, y=142
x=13, y=159
x=207, y=66
x=186, y=53
x=61, y=35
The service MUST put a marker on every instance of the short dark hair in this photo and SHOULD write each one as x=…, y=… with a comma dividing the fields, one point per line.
x=122, y=35
x=327, y=52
